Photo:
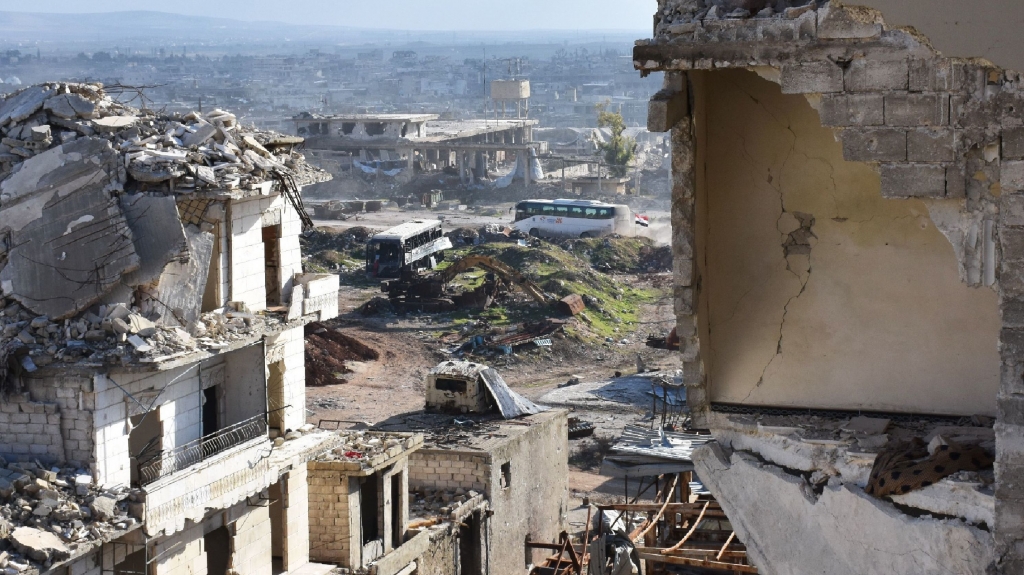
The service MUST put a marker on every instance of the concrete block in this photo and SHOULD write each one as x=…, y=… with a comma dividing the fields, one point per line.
x=874, y=144
x=1011, y=175
x=916, y=109
x=811, y=78
x=931, y=145
x=869, y=75
x=1011, y=213
x=930, y=75
x=840, y=23
x=1013, y=143
x=913, y=181
x=1011, y=243
x=956, y=182
x=852, y=110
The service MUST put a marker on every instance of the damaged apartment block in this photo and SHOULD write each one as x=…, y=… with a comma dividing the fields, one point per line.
x=848, y=215
x=152, y=416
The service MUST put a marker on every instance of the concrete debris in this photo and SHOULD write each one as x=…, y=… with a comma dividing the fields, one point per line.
x=56, y=511
x=100, y=262
x=429, y=503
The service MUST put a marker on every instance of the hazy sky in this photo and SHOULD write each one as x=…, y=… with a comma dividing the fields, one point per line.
x=393, y=14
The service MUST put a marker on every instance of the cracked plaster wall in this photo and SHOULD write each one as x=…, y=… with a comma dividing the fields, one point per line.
x=815, y=290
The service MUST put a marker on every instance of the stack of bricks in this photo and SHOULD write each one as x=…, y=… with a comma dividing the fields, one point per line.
x=441, y=469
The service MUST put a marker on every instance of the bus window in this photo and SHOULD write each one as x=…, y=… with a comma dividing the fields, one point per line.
x=562, y=210
x=605, y=214
x=591, y=213
x=548, y=210
x=577, y=212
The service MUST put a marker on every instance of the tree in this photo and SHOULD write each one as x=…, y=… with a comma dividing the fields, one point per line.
x=619, y=150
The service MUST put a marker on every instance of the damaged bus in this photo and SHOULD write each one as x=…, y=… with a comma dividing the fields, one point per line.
x=411, y=246
x=573, y=218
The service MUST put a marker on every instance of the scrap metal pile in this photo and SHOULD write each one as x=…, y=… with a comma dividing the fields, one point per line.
x=106, y=220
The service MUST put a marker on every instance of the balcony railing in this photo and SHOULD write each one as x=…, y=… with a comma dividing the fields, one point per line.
x=194, y=452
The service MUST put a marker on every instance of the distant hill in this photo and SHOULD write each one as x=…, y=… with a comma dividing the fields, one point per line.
x=138, y=28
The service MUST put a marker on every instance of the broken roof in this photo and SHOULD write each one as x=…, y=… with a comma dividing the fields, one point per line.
x=106, y=214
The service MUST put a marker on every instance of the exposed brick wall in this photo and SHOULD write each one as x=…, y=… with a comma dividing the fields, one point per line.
x=330, y=523
x=444, y=469
x=30, y=430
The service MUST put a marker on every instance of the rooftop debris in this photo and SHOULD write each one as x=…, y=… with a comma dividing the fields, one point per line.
x=52, y=514
x=106, y=213
x=369, y=449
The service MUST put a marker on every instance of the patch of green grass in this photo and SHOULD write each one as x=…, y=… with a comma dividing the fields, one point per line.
x=560, y=272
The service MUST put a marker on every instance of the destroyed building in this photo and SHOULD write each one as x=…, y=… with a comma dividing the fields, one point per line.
x=846, y=225
x=152, y=415
x=396, y=141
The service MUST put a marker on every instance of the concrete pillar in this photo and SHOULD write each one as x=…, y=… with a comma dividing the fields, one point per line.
x=526, y=173
x=295, y=506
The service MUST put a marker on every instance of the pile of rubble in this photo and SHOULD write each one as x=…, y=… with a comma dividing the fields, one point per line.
x=116, y=335
x=188, y=153
x=50, y=514
x=428, y=503
x=106, y=220
x=370, y=448
x=697, y=10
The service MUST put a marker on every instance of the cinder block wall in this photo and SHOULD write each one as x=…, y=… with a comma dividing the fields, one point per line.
x=330, y=524
x=335, y=531
x=446, y=469
x=250, y=543
x=32, y=430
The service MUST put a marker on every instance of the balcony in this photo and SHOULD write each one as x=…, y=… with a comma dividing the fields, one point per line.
x=187, y=455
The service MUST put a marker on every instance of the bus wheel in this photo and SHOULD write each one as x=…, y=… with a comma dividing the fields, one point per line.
x=585, y=235
x=534, y=232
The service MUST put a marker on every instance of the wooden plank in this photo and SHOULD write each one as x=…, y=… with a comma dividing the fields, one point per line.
x=676, y=507
x=726, y=546
x=675, y=560
x=690, y=532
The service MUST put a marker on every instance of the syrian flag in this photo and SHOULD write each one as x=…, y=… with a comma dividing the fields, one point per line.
x=643, y=220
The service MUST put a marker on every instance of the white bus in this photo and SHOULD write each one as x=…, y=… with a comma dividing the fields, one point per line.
x=574, y=218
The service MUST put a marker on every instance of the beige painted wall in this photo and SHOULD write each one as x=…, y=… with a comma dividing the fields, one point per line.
x=876, y=317
x=962, y=28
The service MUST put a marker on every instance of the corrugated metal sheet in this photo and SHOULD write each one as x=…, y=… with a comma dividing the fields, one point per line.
x=658, y=444
x=510, y=403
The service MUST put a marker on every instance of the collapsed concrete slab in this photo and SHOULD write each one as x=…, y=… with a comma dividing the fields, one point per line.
x=841, y=530
x=39, y=545
x=79, y=245
x=177, y=297
x=159, y=236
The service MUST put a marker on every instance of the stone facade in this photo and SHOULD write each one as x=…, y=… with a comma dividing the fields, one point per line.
x=935, y=128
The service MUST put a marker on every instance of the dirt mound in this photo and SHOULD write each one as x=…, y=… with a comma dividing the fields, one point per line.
x=331, y=249
x=621, y=255
x=327, y=350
